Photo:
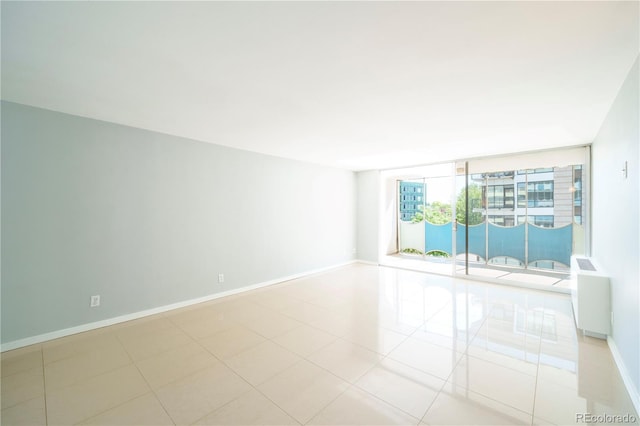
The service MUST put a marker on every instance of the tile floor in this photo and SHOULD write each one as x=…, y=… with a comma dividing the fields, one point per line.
x=508, y=275
x=361, y=345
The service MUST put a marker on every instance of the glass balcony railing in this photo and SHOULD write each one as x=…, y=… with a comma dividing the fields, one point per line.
x=526, y=243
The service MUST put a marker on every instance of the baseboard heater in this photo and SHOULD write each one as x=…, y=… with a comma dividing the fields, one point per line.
x=590, y=297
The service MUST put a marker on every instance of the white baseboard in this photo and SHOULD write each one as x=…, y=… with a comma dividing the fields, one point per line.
x=15, y=344
x=367, y=262
x=634, y=394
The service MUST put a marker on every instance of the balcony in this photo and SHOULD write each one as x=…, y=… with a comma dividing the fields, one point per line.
x=543, y=254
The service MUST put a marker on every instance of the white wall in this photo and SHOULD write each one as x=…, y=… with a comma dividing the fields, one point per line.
x=147, y=219
x=389, y=214
x=616, y=214
x=368, y=215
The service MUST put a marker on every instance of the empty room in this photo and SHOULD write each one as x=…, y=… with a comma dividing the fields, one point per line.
x=320, y=213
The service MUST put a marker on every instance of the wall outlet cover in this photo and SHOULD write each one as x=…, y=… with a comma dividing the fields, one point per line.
x=95, y=301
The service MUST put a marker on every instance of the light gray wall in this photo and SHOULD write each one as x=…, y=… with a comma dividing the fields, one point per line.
x=147, y=219
x=616, y=213
x=389, y=229
x=368, y=215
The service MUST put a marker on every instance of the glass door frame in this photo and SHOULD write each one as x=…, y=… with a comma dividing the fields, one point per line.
x=463, y=169
x=464, y=241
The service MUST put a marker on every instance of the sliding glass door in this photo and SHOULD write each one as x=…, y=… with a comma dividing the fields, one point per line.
x=521, y=218
x=425, y=218
x=515, y=218
x=411, y=208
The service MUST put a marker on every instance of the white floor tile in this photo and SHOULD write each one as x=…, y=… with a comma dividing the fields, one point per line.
x=356, y=345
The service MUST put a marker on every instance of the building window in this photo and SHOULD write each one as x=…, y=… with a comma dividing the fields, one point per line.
x=577, y=194
x=411, y=198
x=500, y=197
x=537, y=194
x=544, y=221
x=502, y=220
x=532, y=171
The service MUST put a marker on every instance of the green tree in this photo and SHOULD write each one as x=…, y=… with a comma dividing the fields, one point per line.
x=475, y=202
x=437, y=213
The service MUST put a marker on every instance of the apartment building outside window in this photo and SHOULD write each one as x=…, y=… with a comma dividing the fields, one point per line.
x=537, y=194
x=544, y=221
x=500, y=197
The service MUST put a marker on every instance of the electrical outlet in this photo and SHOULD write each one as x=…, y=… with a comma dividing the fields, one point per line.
x=220, y=278
x=95, y=301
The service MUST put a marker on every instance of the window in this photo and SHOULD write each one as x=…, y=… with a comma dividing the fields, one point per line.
x=537, y=194
x=500, y=196
x=532, y=171
x=411, y=199
x=545, y=221
x=577, y=194
x=502, y=220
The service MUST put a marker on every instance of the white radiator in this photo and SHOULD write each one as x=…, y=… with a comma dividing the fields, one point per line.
x=591, y=297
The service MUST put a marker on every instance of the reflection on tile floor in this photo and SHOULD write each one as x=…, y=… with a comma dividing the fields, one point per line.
x=357, y=345
x=509, y=275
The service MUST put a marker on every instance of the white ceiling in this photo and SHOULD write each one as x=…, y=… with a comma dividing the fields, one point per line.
x=357, y=85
